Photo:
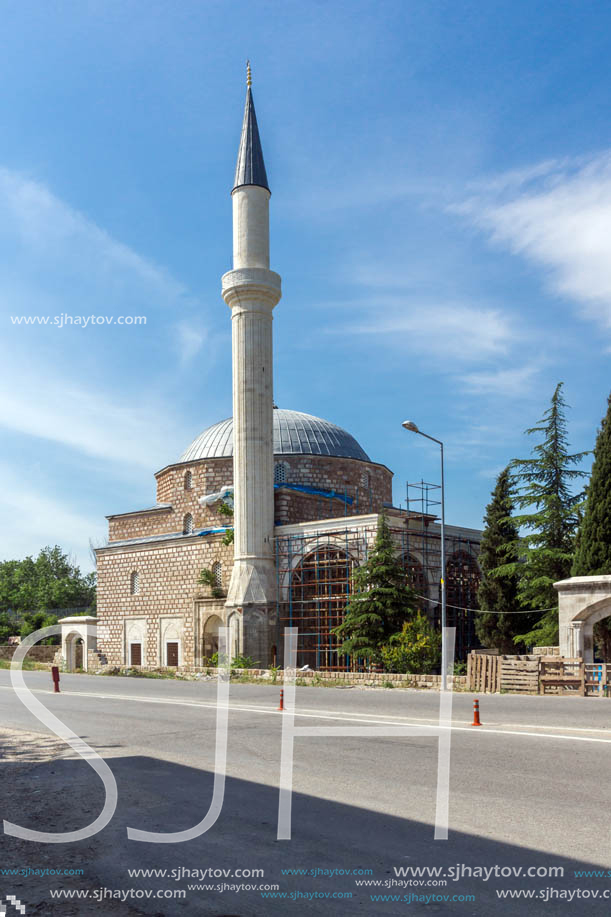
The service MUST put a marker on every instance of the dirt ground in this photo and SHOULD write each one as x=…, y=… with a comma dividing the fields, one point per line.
x=34, y=787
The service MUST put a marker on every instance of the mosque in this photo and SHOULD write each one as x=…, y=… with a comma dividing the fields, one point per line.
x=260, y=522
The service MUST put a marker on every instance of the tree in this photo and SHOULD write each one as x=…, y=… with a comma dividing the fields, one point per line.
x=381, y=601
x=51, y=581
x=593, y=551
x=498, y=591
x=416, y=648
x=547, y=549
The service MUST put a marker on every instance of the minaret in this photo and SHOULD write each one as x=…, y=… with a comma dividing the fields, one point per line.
x=251, y=291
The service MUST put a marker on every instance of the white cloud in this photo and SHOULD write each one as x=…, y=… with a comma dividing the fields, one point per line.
x=95, y=423
x=518, y=380
x=57, y=236
x=557, y=215
x=38, y=519
x=454, y=331
x=190, y=338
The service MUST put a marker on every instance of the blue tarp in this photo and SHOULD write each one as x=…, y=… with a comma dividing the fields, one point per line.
x=329, y=494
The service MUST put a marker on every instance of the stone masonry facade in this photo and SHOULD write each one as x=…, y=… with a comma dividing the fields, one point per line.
x=169, y=604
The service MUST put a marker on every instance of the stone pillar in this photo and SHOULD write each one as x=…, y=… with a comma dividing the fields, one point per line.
x=251, y=291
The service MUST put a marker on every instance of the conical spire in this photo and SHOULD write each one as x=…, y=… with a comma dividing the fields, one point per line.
x=250, y=168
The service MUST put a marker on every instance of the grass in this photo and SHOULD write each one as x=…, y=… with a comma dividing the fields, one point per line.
x=28, y=665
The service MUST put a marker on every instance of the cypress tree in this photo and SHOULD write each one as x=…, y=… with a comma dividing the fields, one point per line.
x=380, y=603
x=498, y=591
x=547, y=550
x=593, y=551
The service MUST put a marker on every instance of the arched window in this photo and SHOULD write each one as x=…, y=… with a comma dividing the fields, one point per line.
x=320, y=590
x=188, y=480
x=416, y=578
x=134, y=583
x=462, y=582
x=187, y=524
x=280, y=472
x=217, y=572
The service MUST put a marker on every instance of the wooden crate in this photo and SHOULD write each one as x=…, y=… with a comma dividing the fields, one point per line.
x=483, y=673
x=520, y=674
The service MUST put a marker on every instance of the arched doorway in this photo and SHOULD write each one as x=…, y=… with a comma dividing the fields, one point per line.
x=583, y=601
x=320, y=588
x=211, y=636
x=74, y=652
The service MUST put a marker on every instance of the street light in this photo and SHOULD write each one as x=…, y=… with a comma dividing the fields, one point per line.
x=413, y=428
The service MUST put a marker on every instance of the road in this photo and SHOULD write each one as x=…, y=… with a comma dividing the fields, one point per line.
x=528, y=789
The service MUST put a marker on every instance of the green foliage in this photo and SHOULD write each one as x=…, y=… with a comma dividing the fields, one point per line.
x=42, y=584
x=415, y=649
x=238, y=662
x=593, y=551
x=225, y=509
x=206, y=577
x=547, y=548
x=381, y=601
x=498, y=591
x=30, y=589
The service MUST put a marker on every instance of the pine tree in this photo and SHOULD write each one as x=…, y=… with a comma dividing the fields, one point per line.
x=547, y=549
x=380, y=603
x=498, y=591
x=593, y=551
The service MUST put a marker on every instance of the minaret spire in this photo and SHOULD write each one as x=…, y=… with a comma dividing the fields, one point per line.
x=250, y=167
x=251, y=291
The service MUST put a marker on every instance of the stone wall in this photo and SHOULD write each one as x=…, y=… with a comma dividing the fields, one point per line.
x=35, y=653
x=368, y=485
x=167, y=593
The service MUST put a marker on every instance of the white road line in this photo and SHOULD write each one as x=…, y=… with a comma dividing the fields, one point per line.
x=380, y=719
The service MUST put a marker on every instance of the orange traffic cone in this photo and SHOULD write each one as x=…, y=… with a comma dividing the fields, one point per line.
x=281, y=707
x=476, y=719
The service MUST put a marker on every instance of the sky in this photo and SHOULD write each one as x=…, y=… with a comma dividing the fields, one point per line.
x=440, y=216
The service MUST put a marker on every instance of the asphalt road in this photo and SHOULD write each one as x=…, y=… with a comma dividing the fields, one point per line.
x=530, y=788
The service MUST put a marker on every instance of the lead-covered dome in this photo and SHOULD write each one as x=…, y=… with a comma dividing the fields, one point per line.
x=294, y=434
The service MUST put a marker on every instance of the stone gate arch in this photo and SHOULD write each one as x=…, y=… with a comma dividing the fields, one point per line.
x=583, y=601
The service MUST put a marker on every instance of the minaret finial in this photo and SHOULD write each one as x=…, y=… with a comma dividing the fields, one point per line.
x=248, y=74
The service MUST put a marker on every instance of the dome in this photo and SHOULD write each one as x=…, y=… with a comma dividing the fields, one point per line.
x=294, y=434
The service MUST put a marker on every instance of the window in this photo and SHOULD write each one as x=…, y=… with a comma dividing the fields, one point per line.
x=365, y=481
x=280, y=472
x=134, y=583
x=188, y=480
x=187, y=524
x=217, y=572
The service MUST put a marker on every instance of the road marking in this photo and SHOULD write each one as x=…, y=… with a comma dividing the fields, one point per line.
x=371, y=719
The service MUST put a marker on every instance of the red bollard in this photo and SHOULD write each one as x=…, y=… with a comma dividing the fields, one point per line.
x=476, y=719
x=281, y=707
x=55, y=677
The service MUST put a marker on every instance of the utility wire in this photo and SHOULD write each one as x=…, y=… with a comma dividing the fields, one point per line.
x=481, y=611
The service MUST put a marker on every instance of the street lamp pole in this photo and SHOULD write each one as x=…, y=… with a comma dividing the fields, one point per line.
x=412, y=427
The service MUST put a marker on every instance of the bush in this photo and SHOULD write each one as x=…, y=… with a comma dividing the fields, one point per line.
x=416, y=648
x=238, y=662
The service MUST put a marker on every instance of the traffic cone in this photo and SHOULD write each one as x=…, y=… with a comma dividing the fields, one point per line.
x=281, y=707
x=476, y=719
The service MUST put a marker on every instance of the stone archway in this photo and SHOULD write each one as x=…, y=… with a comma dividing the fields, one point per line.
x=583, y=601
x=78, y=640
x=211, y=635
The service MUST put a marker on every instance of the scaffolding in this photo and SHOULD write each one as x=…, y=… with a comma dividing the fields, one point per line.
x=315, y=566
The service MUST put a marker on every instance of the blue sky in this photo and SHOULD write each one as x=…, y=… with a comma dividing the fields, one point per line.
x=441, y=219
